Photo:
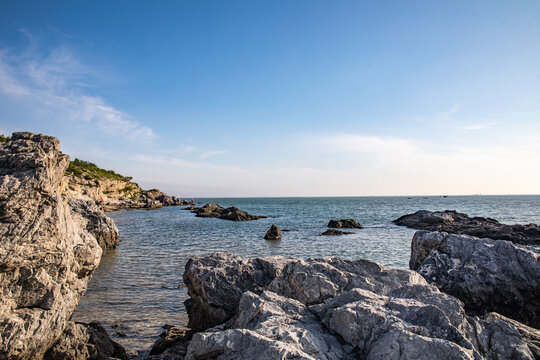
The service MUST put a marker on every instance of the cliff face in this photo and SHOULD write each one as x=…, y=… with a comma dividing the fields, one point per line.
x=111, y=191
x=47, y=255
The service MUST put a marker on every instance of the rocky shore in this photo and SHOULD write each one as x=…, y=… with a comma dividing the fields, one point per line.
x=457, y=223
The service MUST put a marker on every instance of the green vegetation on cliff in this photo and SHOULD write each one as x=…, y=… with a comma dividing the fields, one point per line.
x=90, y=171
x=4, y=138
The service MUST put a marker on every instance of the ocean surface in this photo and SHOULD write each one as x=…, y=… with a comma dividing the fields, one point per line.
x=134, y=292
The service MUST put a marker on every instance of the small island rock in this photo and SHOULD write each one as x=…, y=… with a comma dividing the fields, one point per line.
x=345, y=223
x=336, y=232
x=274, y=233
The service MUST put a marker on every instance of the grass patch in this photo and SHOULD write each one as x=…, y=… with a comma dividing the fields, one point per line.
x=90, y=171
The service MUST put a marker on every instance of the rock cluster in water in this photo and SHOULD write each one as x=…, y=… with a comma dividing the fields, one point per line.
x=213, y=210
x=345, y=223
x=336, y=232
x=330, y=308
x=47, y=250
x=457, y=223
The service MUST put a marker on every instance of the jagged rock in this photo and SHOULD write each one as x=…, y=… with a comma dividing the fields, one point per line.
x=344, y=223
x=81, y=341
x=457, y=223
x=46, y=254
x=422, y=243
x=175, y=340
x=336, y=232
x=215, y=285
x=274, y=233
x=98, y=224
x=487, y=275
x=332, y=308
x=213, y=210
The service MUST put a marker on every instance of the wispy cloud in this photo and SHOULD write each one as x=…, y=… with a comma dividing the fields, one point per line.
x=447, y=114
x=481, y=126
x=208, y=154
x=57, y=83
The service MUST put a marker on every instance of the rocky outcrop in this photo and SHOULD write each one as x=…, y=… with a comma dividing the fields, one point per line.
x=331, y=308
x=274, y=233
x=457, y=223
x=213, y=210
x=485, y=274
x=85, y=341
x=344, y=223
x=97, y=223
x=336, y=232
x=47, y=255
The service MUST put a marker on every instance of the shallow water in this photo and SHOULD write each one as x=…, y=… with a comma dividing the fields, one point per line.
x=136, y=289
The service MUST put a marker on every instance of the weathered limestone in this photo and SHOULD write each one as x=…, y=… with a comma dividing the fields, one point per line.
x=332, y=308
x=487, y=275
x=47, y=255
x=457, y=223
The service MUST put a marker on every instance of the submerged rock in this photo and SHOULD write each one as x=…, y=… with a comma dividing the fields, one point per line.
x=457, y=223
x=336, y=232
x=97, y=223
x=274, y=233
x=81, y=341
x=331, y=308
x=344, y=223
x=47, y=255
x=487, y=275
x=213, y=210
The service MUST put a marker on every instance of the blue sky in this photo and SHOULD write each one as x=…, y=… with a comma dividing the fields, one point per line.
x=283, y=98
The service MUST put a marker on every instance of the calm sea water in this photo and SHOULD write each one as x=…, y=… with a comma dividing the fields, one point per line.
x=135, y=289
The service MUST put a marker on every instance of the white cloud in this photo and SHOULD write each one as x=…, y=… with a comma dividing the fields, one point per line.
x=208, y=154
x=446, y=115
x=480, y=126
x=55, y=84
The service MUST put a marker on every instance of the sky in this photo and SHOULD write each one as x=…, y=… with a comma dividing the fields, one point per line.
x=283, y=98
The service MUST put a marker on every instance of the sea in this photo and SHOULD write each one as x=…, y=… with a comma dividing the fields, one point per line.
x=137, y=288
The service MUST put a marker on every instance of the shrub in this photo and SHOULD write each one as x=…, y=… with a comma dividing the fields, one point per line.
x=4, y=138
x=90, y=171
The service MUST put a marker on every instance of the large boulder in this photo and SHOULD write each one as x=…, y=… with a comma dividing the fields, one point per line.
x=345, y=223
x=487, y=275
x=85, y=341
x=97, y=223
x=331, y=308
x=274, y=233
x=47, y=255
x=458, y=223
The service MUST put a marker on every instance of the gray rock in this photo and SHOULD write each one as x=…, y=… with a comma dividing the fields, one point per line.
x=332, y=308
x=344, y=223
x=457, y=223
x=274, y=233
x=487, y=275
x=97, y=223
x=81, y=341
x=422, y=244
x=46, y=254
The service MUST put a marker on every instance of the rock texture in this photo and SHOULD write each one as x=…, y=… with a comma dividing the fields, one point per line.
x=457, y=223
x=274, y=233
x=336, y=232
x=47, y=255
x=85, y=341
x=97, y=223
x=331, y=308
x=344, y=223
x=213, y=210
x=115, y=194
x=485, y=274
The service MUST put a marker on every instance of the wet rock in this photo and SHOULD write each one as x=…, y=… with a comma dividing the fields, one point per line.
x=175, y=340
x=97, y=223
x=213, y=210
x=274, y=233
x=487, y=275
x=344, y=223
x=81, y=341
x=336, y=232
x=47, y=255
x=458, y=223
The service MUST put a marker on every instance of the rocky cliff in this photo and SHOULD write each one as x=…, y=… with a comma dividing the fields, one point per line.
x=111, y=191
x=47, y=254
